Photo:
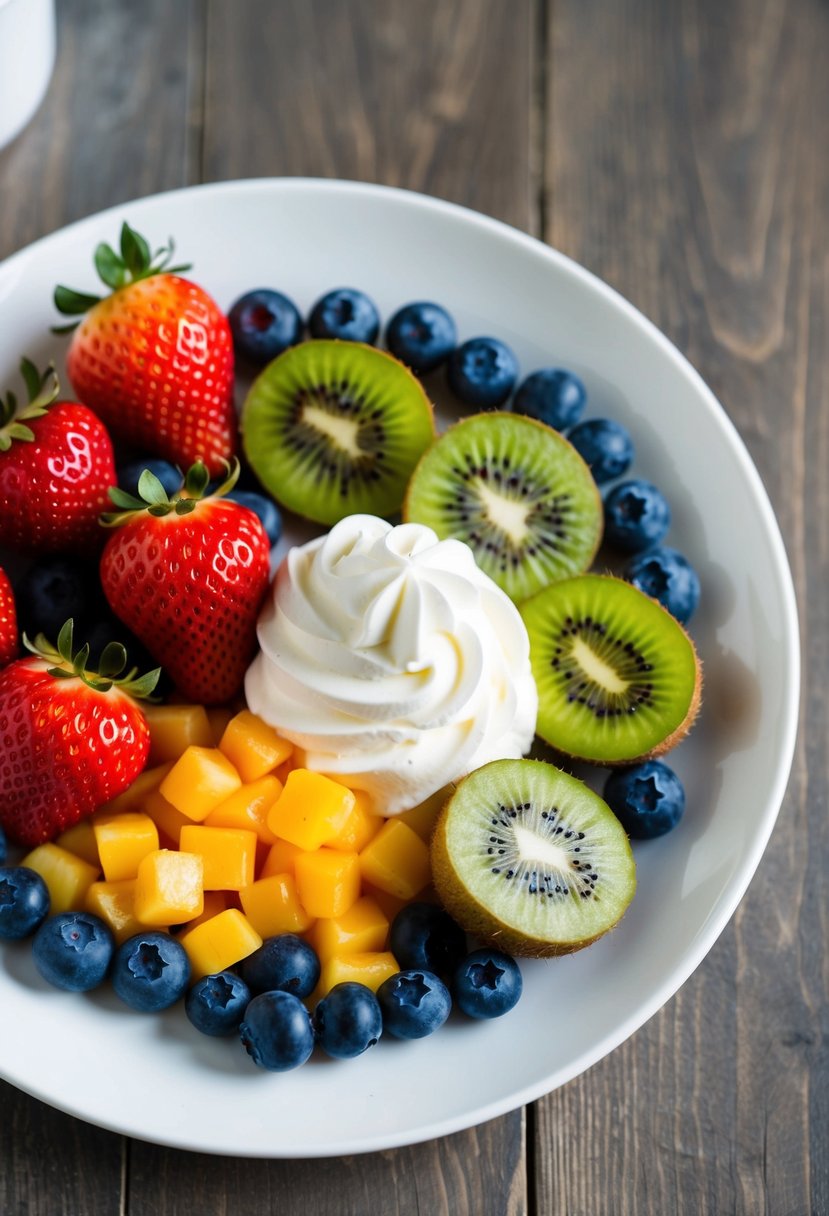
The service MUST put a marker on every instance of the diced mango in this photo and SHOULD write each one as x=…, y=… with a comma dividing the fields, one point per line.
x=423, y=817
x=133, y=797
x=360, y=826
x=272, y=906
x=229, y=855
x=281, y=858
x=164, y=815
x=364, y=927
x=68, y=877
x=199, y=781
x=310, y=810
x=389, y=905
x=327, y=881
x=219, y=942
x=218, y=716
x=123, y=841
x=214, y=903
x=253, y=747
x=370, y=968
x=80, y=840
x=174, y=728
x=169, y=888
x=248, y=808
x=396, y=860
x=114, y=902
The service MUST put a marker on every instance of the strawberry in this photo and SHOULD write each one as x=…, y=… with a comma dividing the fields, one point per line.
x=8, y=621
x=155, y=359
x=187, y=575
x=69, y=739
x=56, y=465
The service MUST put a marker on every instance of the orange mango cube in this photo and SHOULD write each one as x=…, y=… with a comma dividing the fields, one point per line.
x=327, y=882
x=164, y=815
x=310, y=810
x=68, y=877
x=248, y=808
x=80, y=840
x=114, y=902
x=132, y=798
x=280, y=859
x=169, y=888
x=218, y=716
x=123, y=841
x=396, y=860
x=219, y=942
x=360, y=826
x=229, y=855
x=272, y=906
x=423, y=817
x=370, y=968
x=363, y=928
x=199, y=781
x=214, y=903
x=174, y=728
x=253, y=747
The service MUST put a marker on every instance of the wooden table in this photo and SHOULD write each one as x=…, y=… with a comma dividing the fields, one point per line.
x=678, y=149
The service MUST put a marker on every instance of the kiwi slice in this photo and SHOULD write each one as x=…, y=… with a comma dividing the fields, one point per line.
x=618, y=678
x=336, y=428
x=530, y=859
x=517, y=492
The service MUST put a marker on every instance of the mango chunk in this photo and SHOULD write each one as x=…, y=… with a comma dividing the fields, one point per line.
x=174, y=728
x=169, y=888
x=360, y=826
x=68, y=877
x=272, y=906
x=248, y=808
x=214, y=903
x=80, y=840
x=229, y=855
x=199, y=781
x=310, y=810
x=219, y=942
x=280, y=859
x=253, y=747
x=114, y=902
x=423, y=817
x=164, y=815
x=123, y=841
x=133, y=797
x=363, y=928
x=396, y=860
x=327, y=882
x=370, y=968
x=218, y=716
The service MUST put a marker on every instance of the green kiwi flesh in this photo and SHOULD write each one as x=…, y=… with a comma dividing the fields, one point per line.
x=618, y=678
x=531, y=860
x=517, y=492
x=336, y=428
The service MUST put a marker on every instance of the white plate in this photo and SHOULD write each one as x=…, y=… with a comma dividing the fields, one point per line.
x=156, y=1078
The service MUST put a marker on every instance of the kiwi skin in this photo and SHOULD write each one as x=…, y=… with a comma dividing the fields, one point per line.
x=476, y=919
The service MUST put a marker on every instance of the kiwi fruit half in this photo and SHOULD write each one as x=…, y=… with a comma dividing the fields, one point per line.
x=531, y=860
x=618, y=678
x=517, y=492
x=335, y=428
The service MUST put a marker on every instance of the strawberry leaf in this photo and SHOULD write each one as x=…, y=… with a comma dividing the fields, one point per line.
x=31, y=377
x=135, y=251
x=73, y=303
x=151, y=490
x=113, y=660
x=127, y=502
x=197, y=480
x=185, y=505
x=109, y=266
x=64, y=640
x=17, y=430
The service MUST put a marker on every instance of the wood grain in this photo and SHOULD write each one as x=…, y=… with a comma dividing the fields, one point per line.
x=683, y=166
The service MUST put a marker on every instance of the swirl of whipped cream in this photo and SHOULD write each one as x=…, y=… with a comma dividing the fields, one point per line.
x=392, y=661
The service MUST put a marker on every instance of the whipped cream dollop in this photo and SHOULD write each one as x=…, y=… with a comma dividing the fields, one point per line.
x=392, y=661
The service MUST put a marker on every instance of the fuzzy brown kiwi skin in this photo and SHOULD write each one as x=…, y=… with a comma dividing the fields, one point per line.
x=406, y=513
x=476, y=919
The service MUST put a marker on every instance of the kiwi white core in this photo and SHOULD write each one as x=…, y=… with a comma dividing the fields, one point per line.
x=341, y=431
x=594, y=667
x=532, y=847
x=508, y=514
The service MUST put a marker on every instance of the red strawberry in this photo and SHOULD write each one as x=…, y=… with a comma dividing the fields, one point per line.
x=56, y=465
x=8, y=621
x=155, y=359
x=69, y=740
x=187, y=575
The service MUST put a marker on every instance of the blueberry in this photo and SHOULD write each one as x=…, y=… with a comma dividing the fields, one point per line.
x=216, y=1004
x=276, y=1031
x=667, y=576
x=603, y=445
x=551, y=395
x=263, y=324
x=3, y=847
x=636, y=516
x=347, y=314
x=414, y=1003
x=107, y=628
x=421, y=335
x=265, y=508
x=648, y=800
x=73, y=951
x=487, y=984
x=151, y=971
x=55, y=589
x=423, y=935
x=482, y=373
x=348, y=1021
x=284, y=962
x=169, y=476
x=24, y=902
